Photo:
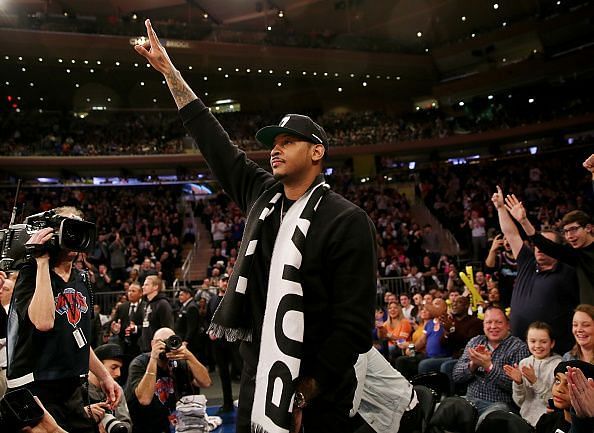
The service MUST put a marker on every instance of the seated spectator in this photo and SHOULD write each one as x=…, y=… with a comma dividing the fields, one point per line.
x=481, y=364
x=155, y=384
x=112, y=357
x=102, y=279
x=459, y=328
x=533, y=376
x=147, y=268
x=429, y=343
x=561, y=418
x=583, y=333
x=407, y=307
x=397, y=329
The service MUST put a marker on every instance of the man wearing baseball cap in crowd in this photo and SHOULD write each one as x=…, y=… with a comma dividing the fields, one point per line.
x=112, y=357
x=302, y=293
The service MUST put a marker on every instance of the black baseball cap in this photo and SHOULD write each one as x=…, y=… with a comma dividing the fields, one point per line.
x=109, y=351
x=297, y=125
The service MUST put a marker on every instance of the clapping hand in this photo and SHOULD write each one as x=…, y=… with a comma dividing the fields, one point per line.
x=529, y=373
x=513, y=372
x=581, y=393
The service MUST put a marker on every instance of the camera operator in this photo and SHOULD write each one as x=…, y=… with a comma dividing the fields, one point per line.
x=48, y=332
x=6, y=288
x=158, y=379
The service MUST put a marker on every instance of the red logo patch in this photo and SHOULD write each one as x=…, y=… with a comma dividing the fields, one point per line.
x=72, y=303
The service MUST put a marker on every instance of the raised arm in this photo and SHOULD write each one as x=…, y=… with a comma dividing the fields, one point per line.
x=155, y=54
x=42, y=309
x=509, y=229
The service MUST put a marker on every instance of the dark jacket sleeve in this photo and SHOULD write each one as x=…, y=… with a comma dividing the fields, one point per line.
x=352, y=265
x=24, y=289
x=192, y=317
x=564, y=253
x=165, y=314
x=581, y=425
x=240, y=177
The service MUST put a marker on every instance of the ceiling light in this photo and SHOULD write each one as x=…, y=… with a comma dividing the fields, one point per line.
x=205, y=93
x=259, y=71
x=504, y=60
x=226, y=75
x=148, y=65
x=117, y=63
x=77, y=85
x=108, y=99
x=41, y=99
x=236, y=69
x=269, y=28
x=67, y=71
x=279, y=84
x=60, y=60
x=205, y=15
x=325, y=74
x=461, y=103
x=281, y=14
x=495, y=6
x=134, y=16
x=33, y=84
x=142, y=83
x=154, y=99
x=86, y=62
x=315, y=73
x=426, y=50
x=530, y=101
x=219, y=69
x=304, y=73
x=91, y=70
x=73, y=61
x=136, y=65
x=6, y=58
x=504, y=24
x=88, y=99
x=398, y=77
x=463, y=18
x=336, y=74
x=340, y=89
x=419, y=34
x=248, y=70
x=473, y=35
x=98, y=62
x=352, y=75
x=270, y=71
x=24, y=69
x=490, y=97
x=364, y=83
x=190, y=67
x=205, y=78
x=40, y=59
x=20, y=58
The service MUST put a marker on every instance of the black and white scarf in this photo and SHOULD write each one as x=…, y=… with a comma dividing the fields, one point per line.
x=282, y=330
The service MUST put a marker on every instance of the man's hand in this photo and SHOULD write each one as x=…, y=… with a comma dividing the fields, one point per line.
x=497, y=198
x=154, y=52
x=480, y=356
x=112, y=391
x=309, y=387
x=513, y=372
x=589, y=164
x=179, y=354
x=515, y=208
x=497, y=243
x=96, y=411
x=446, y=321
x=157, y=347
x=529, y=373
x=116, y=327
x=581, y=392
x=40, y=237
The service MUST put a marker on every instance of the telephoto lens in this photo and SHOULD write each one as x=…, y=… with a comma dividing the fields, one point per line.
x=112, y=425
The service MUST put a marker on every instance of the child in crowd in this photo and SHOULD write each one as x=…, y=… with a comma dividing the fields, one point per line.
x=560, y=420
x=533, y=377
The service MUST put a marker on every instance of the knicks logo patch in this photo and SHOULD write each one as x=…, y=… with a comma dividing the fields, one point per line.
x=72, y=303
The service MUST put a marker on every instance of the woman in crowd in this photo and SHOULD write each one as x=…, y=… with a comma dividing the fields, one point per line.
x=397, y=330
x=583, y=332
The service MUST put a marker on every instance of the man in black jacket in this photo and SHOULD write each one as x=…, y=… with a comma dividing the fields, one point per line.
x=301, y=296
x=187, y=321
x=127, y=321
x=157, y=311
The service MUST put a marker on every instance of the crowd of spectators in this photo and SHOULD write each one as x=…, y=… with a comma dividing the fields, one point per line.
x=61, y=134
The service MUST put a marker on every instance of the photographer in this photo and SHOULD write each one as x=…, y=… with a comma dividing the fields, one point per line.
x=48, y=332
x=158, y=379
x=112, y=357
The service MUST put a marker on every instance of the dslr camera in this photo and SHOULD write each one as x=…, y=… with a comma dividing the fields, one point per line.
x=69, y=234
x=172, y=343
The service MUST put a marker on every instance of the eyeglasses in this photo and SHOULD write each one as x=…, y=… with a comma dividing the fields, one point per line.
x=571, y=230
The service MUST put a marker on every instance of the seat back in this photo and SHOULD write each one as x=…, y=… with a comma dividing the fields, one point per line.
x=454, y=414
x=427, y=400
x=439, y=382
x=501, y=421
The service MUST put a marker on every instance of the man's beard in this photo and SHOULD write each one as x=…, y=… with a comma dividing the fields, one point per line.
x=279, y=177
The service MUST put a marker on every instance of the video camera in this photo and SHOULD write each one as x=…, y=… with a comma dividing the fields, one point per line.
x=69, y=234
x=18, y=409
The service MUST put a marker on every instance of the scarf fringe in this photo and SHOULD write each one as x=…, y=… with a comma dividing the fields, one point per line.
x=230, y=334
x=257, y=428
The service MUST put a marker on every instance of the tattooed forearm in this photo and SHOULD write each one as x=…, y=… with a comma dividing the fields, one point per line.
x=182, y=93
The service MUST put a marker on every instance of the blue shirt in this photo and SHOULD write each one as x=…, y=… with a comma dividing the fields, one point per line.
x=434, y=348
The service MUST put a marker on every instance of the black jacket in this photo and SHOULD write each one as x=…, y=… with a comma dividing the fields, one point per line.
x=338, y=268
x=130, y=344
x=187, y=325
x=157, y=314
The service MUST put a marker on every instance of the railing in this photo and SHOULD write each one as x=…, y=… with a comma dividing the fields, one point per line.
x=187, y=265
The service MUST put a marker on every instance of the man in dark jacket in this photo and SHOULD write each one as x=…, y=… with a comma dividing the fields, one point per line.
x=301, y=296
x=187, y=321
x=157, y=311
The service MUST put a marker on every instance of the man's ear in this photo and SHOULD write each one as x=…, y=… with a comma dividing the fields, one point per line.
x=318, y=152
